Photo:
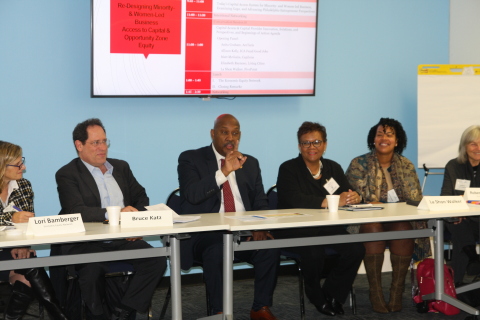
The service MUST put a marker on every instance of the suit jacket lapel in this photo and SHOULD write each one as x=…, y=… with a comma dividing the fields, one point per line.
x=212, y=165
x=122, y=184
x=241, y=178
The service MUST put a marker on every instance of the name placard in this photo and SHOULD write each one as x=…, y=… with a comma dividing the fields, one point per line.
x=442, y=203
x=59, y=224
x=472, y=194
x=143, y=219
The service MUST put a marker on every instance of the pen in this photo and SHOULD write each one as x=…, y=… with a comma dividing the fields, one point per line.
x=259, y=217
x=16, y=208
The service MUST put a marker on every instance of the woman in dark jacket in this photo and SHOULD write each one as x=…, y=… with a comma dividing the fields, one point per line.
x=302, y=183
x=460, y=173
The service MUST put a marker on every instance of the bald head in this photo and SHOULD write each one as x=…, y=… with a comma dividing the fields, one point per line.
x=225, y=133
x=225, y=118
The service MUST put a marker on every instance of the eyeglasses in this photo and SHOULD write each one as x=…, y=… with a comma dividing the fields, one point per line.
x=315, y=143
x=22, y=163
x=97, y=143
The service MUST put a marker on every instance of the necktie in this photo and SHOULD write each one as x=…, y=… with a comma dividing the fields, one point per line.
x=228, y=201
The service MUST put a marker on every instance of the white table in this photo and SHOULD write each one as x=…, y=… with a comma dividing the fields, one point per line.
x=392, y=212
x=101, y=232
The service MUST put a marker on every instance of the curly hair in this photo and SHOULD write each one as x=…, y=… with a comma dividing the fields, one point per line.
x=308, y=127
x=399, y=133
x=8, y=153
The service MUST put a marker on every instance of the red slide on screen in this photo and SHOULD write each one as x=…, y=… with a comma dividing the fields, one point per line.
x=145, y=27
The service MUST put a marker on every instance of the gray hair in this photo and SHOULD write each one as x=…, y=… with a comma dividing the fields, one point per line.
x=470, y=134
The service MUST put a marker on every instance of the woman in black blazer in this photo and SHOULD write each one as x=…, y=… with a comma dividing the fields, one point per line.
x=460, y=172
x=302, y=183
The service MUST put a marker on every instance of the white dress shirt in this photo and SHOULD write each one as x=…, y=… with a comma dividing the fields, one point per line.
x=232, y=180
x=110, y=192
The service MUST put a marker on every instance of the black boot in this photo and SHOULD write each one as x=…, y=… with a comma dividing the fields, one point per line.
x=21, y=297
x=43, y=290
x=473, y=267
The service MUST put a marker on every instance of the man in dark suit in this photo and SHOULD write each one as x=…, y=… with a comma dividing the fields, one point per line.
x=87, y=185
x=218, y=178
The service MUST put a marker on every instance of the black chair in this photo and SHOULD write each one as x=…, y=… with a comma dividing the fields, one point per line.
x=65, y=282
x=332, y=257
x=173, y=200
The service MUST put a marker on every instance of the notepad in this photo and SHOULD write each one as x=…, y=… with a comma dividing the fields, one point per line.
x=176, y=217
x=361, y=208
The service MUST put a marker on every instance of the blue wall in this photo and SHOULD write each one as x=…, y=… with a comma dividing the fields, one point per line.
x=367, y=57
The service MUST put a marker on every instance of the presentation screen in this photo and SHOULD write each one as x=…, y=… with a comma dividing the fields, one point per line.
x=203, y=47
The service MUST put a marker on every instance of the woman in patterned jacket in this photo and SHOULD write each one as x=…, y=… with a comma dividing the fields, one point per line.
x=380, y=176
x=16, y=205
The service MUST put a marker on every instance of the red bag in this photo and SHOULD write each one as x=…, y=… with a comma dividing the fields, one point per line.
x=426, y=285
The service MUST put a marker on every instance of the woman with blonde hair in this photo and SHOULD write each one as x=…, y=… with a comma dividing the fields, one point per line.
x=16, y=205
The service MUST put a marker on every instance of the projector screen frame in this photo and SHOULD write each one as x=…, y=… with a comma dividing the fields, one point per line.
x=206, y=96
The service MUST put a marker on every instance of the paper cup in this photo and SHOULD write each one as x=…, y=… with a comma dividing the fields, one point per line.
x=332, y=201
x=114, y=215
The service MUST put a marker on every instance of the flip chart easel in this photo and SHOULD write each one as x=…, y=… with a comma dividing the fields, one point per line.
x=448, y=103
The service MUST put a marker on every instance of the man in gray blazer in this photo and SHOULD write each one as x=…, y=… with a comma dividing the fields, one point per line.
x=87, y=185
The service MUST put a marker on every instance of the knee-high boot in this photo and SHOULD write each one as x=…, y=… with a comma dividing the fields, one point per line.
x=21, y=297
x=373, y=266
x=43, y=291
x=400, y=266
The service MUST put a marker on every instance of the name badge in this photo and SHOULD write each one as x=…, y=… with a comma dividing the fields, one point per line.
x=462, y=184
x=472, y=194
x=143, y=219
x=331, y=186
x=392, y=196
x=59, y=224
x=442, y=203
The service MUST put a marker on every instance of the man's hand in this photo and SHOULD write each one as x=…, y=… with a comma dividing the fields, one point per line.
x=233, y=160
x=260, y=235
x=129, y=209
x=460, y=219
x=22, y=216
x=22, y=253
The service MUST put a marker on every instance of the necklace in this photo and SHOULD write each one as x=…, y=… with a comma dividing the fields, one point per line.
x=316, y=176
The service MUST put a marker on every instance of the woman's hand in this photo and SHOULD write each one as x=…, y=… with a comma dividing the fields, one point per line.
x=350, y=197
x=22, y=216
x=22, y=253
